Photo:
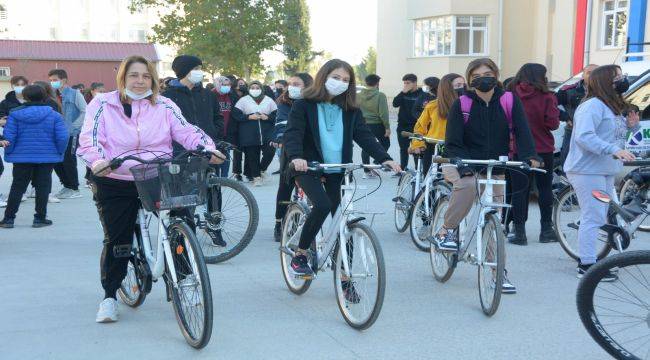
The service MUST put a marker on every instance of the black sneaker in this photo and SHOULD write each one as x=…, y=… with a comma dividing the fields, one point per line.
x=7, y=223
x=582, y=270
x=217, y=238
x=39, y=223
x=238, y=177
x=446, y=242
x=277, y=231
x=277, y=172
x=300, y=266
x=350, y=292
x=507, y=287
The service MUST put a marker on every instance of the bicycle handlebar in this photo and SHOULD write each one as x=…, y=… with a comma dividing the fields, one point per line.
x=117, y=162
x=639, y=162
x=488, y=163
x=414, y=136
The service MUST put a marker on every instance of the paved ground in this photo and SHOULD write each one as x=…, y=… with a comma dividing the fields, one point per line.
x=50, y=292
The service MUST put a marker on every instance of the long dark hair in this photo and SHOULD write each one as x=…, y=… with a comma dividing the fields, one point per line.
x=306, y=79
x=532, y=74
x=50, y=92
x=318, y=93
x=446, y=94
x=600, y=85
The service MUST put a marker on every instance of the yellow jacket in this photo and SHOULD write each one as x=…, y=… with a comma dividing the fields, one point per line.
x=430, y=124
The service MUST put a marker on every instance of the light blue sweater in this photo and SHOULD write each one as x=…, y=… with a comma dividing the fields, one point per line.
x=597, y=134
x=330, y=129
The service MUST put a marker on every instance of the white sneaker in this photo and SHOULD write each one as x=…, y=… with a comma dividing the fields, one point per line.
x=24, y=198
x=32, y=193
x=69, y=194
x=3, y=204
x=107, y=311
x=53, y=199
x=61, y=193
x=257, y=181
x=75, y=194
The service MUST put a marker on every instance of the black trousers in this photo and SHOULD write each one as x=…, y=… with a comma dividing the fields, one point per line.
x=252, y=168
x=519, y=192
x=379, y=131
x=325, y=198
x=40, y=175
x=566, y=142
x=268, y=152
x=236, y=161
x=117, y=203
x=67, y=170
x=283, y=197
x=427, y=156
x=404, y=144
x=2, y=166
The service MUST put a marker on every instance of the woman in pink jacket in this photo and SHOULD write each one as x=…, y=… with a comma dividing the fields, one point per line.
x=133, y=118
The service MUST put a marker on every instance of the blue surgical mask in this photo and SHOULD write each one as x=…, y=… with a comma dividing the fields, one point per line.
x=19, y=89
x=135, y=96
x=56, y=84
x=295, y=92
x=224, y=89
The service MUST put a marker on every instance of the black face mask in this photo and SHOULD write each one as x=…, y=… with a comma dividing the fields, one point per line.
x=622, y=85
x=460, y=91
x=484, y=83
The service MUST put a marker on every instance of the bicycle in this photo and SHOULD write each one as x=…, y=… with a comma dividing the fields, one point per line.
x=483, y=223
x=365, y=271
x=166, y=185
x=566, y=215
x=231, y=215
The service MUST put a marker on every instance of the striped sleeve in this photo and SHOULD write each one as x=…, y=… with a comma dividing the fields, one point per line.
x=92, y=134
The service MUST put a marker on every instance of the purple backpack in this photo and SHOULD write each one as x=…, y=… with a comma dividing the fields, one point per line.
x=507, y=100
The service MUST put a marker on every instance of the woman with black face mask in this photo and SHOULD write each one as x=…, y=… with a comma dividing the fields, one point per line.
x=483, y=133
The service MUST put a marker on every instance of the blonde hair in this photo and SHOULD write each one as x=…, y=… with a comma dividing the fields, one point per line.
x=124, y=67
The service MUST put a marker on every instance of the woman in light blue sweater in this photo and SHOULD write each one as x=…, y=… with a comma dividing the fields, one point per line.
x=597, y=148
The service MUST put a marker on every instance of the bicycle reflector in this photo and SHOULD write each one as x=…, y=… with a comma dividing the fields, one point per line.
x=601, y=196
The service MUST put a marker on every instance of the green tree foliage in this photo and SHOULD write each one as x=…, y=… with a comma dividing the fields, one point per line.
x=296, y=40
x=367, y=66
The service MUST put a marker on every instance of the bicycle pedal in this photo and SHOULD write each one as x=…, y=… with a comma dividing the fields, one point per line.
x=304, y=277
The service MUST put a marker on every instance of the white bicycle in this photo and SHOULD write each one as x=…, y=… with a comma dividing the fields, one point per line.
x=358, y=266
x=483, y=223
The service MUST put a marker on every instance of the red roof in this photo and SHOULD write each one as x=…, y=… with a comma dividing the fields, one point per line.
x=74, y=50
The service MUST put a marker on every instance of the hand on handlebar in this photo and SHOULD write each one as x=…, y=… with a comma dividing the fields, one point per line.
x=392, y=165
x=299, y=165
x=535, y=163
x=217, y=157
x=624, y=155
x=101, y=168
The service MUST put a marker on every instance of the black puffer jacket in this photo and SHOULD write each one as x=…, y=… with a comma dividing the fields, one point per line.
x=405, y=103
x=10, y=102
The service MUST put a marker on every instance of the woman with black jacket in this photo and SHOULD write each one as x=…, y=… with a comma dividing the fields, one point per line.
x=296, y=84
x=321, y=128
x=485, y=135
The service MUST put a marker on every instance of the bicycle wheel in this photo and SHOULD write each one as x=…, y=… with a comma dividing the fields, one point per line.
x=566, y=216
x=628, y=191
x=361, y=296
x=191, y=295
x=616, y=313
x=420, y=223
x=491, y=270
x=404, y=201
x=294, y=218
x=443, y=263
x=231, y=214
x=131, y=290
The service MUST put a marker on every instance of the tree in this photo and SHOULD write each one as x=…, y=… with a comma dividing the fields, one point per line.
x=296, y=44
x=367, y=66
x=228, y=35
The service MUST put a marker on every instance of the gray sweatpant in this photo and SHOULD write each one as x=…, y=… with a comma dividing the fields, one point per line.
x=593, y=213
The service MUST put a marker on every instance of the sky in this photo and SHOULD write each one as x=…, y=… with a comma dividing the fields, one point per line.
x=343, y=28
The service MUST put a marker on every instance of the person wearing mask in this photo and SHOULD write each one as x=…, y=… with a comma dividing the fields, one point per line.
x=485, y=135
x=374, y=107
x=227, y=99
x=429, y=93
x=240, y=91
x=322, y=127
x=73, y=105
x=95, y=88
x=35, y=138
x=570, y=97
x=110, y=130
x=280, y=87
x=433, y=121
x=596, y=150
x=296, y=84
x=405, y=101
x=531, y=86
x=255, y=115
x=12, y=100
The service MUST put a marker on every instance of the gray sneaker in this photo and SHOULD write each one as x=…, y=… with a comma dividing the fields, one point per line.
x=75, y=194
x=62, y=193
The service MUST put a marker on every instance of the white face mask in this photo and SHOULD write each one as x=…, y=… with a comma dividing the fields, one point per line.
x=295, y=92
x=135, y=96
x=255, y=93
x=425, y=89
x=196, y=76
x=336, y=87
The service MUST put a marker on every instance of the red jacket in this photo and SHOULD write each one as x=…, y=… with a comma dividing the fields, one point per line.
x=543, y=116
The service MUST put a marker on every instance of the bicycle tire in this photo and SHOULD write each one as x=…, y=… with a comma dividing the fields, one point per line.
x=405, y=190
x=437, y=189
x=585, y=300
x=296, y=211
x=567, y=197
x=441, y=272
x=627, y=185
x=132, y=282
x=218, y=219
x=197, y=262
x=492, y=224
x=367, y=321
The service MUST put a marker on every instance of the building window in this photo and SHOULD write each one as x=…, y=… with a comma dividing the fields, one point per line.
x=5, y=72
x=614, y=23
x=450, y=35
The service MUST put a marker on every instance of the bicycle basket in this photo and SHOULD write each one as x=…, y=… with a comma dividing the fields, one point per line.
x=171, y=185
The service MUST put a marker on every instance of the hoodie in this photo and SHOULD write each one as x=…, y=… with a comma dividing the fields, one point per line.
x=405, y=102
x=9, y=103
x=374, y=105
x=36, y=134
x=543, y=116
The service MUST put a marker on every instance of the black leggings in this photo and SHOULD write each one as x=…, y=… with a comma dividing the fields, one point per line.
x=283, y=197
x=404, y=144
x=325, y=198
x=519, y=188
